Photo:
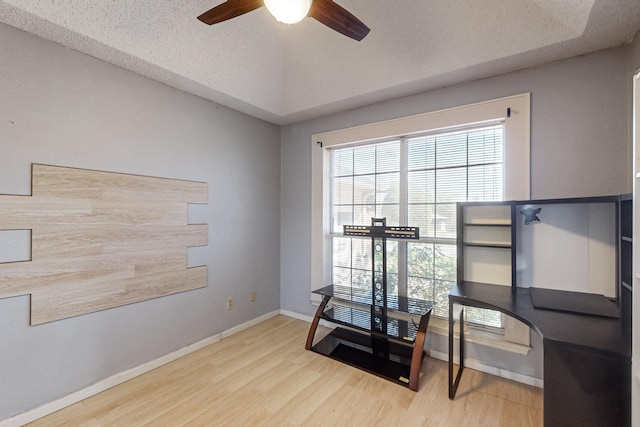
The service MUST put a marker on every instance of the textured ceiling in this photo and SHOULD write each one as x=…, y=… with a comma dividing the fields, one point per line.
x=284, y=73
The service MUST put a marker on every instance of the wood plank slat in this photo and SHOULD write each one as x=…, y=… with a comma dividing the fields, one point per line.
x=101, y=240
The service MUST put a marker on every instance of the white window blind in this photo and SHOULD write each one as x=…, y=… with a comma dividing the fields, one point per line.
x=413, y=181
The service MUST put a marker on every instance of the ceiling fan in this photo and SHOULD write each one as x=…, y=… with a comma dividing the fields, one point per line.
x=291, y=11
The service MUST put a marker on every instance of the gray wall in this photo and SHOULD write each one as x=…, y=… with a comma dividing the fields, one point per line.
x=60, y=107
x=580, y=146
x=634, y=54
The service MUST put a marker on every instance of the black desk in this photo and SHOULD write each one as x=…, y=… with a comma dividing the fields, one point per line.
x=587, y=359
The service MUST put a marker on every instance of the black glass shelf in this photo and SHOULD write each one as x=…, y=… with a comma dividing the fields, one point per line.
x=360, y=319
x=378, y=339
x=385, y=359
x=488, y=245
x=486, y=224
x=364, y=296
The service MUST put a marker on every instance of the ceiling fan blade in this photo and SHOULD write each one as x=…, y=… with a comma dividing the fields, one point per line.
x=229, y=9
x=338, y=18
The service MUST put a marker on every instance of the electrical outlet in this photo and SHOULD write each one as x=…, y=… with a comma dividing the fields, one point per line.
x=253, y=296
x=229, y=303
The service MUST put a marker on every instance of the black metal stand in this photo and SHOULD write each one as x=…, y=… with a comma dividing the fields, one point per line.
x=387, y=347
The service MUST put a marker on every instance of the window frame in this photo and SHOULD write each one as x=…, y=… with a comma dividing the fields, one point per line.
x=514, y=110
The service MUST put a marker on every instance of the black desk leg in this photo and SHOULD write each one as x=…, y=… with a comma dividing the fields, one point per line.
x=453, y=384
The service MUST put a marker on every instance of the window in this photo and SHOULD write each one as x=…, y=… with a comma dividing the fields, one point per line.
x=514, y=114
x=414, y=181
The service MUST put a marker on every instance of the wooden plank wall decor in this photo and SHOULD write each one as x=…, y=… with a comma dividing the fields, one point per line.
x=101, y=240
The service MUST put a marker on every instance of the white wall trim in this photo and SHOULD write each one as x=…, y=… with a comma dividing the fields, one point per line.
x=119, y=378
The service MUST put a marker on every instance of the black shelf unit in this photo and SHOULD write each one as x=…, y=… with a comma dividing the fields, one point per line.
x=587, y=356
x=626, y=261
x=377, y=338
x=623, y=212
x=395, y=354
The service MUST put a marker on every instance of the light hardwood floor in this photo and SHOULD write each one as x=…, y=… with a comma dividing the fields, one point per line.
x=263, y=376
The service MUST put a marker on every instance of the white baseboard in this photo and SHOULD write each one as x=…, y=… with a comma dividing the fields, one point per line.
x=295, y=315
x=469, y=363
x=119, y=378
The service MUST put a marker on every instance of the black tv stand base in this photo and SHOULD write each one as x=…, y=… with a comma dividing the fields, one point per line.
x=395, y=354
x=374, y=355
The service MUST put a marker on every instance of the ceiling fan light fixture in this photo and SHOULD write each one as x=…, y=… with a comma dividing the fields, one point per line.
x=288, y=11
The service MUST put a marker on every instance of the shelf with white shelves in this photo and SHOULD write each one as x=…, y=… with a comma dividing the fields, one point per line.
x=556, y=255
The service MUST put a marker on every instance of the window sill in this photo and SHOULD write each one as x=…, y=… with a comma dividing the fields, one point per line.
x=477, y=336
